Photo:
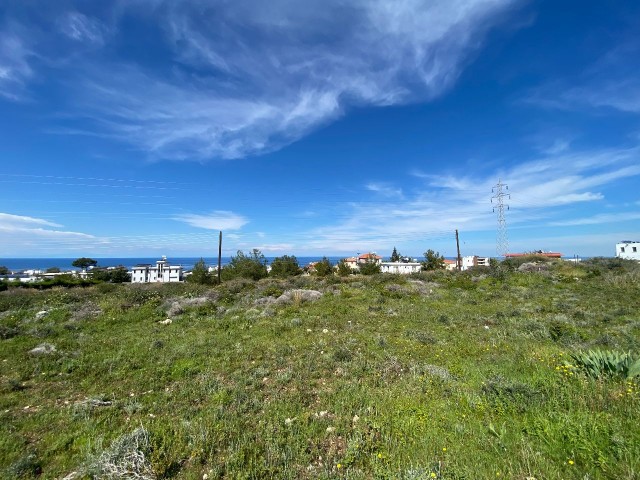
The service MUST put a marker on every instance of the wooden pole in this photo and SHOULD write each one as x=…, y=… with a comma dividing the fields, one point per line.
x=459, y=259
x=219, y=255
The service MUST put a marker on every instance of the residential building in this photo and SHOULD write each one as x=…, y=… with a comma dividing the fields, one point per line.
x=404, y=268
x=450, y=264
x=369, y=258
x=163, y=272
x=474, y=261
x=628, y=249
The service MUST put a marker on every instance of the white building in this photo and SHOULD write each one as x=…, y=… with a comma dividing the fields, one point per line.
x=163, y=272
x=628, y=249
x=404, y=268
x=474, y=261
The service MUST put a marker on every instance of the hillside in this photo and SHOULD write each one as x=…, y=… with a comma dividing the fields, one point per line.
x=442, y=375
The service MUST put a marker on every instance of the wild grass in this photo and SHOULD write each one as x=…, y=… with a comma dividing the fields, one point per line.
x=442, y=375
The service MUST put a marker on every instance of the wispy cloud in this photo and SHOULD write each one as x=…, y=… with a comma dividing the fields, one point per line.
x=599, y=219
x=81, y=28
x=384, y=189
x=613, y=81
x=248, y=78
x=15, y=66
x=450, y=202
x=218, y=220
x=9, y=221
x=19, y=232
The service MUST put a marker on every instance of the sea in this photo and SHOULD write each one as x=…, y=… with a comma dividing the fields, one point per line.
x=64, y=264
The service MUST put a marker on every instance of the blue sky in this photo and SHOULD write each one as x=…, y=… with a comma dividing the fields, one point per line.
x=142, y=127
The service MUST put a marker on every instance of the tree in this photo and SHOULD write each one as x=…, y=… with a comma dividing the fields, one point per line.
x=52, y=270
x=200, y=274
x=344, y=270
x=111, y=275
x=4, y=270
x=395, y=256
x=84, y=263
x=433, y=260
x=253, y=266
x=370, y=267
x=323, y=268
x=285, y=266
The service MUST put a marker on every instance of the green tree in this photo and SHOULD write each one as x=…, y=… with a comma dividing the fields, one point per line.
x=200, y=274
x=120, y=275
x=344, y=270
x=370, y=267
x=433, y=261
x=4, y=270
x=111, y=275
x=323, y=268
x=285, y=266
x=52, y=270
x=395, y=256
x=253, y=266
x=84, y=262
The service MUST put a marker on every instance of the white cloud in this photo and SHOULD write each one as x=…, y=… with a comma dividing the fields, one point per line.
x=20, y=234
x=448, y=202
x=218, y=220
x=599, y=219
x=384, y=189
x=612, y=82
x=249, y=77
x=81, y=28
x=15, y=67
x=9, y=221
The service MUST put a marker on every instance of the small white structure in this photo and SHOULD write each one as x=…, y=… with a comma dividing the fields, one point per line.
x=403, y=268
x=474, y=261
x=628, y=249
x=163, y=272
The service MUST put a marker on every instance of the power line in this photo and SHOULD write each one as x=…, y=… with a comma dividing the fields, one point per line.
x=502, y=242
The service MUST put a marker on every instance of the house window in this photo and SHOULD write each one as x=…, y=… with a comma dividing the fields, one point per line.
x=634, y=249
x=622, y=249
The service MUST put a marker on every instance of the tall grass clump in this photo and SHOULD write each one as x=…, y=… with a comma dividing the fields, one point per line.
x=607, y=363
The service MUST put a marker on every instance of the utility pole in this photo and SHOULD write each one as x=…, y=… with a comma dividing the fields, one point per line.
x=459, y=259
x=502, y=242
x=219, y=256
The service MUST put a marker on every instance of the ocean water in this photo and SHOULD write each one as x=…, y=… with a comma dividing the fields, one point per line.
x=20, y=264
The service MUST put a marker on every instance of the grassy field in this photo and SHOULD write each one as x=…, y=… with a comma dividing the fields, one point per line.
x=443, y=375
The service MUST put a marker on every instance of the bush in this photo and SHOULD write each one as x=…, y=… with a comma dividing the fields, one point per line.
x=252, y=266
x=200, y=274
x=344, y=270
x=323, y=268
x=369, y=268
x=611, y=363
x=433, y=261
x=285, y=266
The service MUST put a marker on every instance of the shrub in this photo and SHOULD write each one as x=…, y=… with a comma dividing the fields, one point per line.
x=126, y=458
x=200, y=274
x=344, y=270
x=285, y=266
x=610, y=363
x=323, y=268
x=253, y=266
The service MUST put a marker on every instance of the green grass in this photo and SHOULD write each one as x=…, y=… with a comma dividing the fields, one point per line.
x=443, y=376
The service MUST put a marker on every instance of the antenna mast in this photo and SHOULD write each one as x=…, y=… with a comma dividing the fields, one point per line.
x=502, y=242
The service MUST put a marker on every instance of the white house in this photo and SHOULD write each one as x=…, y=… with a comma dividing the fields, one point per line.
x=474, y=261
x=628, y=249
x=163, y=272
x=403, y=268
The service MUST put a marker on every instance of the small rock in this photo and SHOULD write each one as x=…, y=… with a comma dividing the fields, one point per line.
x=43, y=349
x=331, y=429
x=41, y=314
x=168, y=321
